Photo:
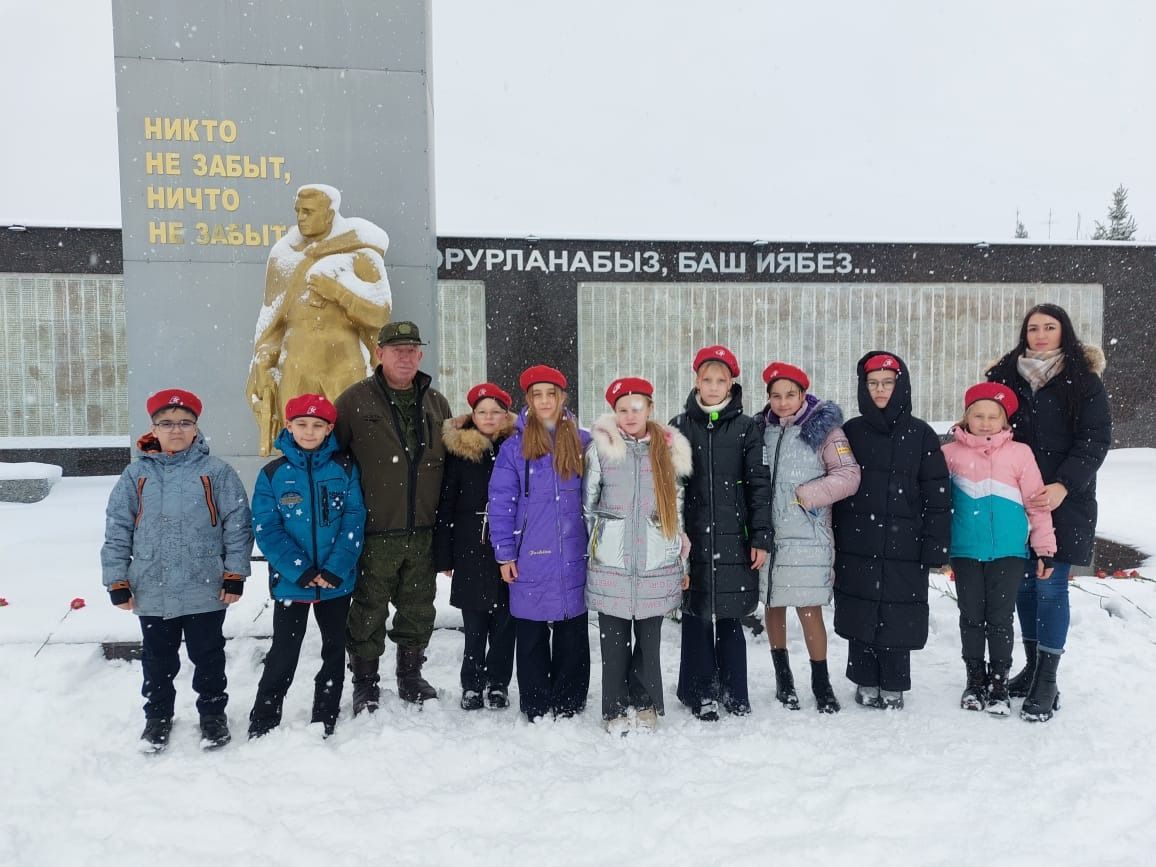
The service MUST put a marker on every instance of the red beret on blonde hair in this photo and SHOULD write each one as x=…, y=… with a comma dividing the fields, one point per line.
x=628, y=385
x=541, y=373
x=716, y=353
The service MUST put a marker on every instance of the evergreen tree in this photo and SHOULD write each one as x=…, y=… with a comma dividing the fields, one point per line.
x=1121, y=225
x=1021, y=232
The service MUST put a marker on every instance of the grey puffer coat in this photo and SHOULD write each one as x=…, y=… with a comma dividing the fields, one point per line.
x=633, y=571
x=811, y=467
x=175, y=524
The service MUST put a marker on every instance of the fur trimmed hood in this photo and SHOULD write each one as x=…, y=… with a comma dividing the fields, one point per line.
x=461, y=438
x=612, y=447
x=1094, y=355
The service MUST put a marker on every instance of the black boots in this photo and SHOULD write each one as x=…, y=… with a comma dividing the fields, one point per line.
x=155, y=736
x=214, y=731
x=1044, y=697
x=784, y=680
x=1019, y=685
x=411, y=686
x=821, y=686
x=975, y=693
x=998, y=699
x=366, y=692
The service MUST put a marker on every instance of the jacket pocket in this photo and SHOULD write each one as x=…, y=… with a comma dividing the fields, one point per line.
x=608, y=541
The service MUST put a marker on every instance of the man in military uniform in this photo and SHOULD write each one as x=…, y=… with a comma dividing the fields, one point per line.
x=391, y=422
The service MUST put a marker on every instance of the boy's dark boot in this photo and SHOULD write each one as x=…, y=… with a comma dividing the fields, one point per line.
x=323, y=713
x=974, y=694
x=1019, y=685
x=366, y=691
x=821, y=686
x=411, y=686
x=155, y=736
x=1044, y=697
x=784, y=680
x=998, y=698
x=214, y=731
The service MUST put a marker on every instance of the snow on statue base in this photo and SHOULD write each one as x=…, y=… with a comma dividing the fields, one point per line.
x=27, y=482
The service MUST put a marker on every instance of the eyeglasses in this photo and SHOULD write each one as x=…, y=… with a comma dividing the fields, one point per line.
x=183, y=425
x=881, y=384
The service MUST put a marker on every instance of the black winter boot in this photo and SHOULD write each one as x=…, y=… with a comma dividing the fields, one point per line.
x=366, y=691
x=1044, y=697
x=784, y=680
x=155, y=736
x=998, y=700
x=214, y=731
x=821, y=686
x=975, y=693
x=411, y=686
x=1019, y=685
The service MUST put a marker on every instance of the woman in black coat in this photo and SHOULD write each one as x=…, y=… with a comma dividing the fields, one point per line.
x=887, y=536
x=461, y=546
x=1064, y=416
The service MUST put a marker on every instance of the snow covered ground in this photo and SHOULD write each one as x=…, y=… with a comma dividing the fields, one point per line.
x=929, y=785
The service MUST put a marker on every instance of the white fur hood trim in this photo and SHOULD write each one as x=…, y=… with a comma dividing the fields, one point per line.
x=612, y=447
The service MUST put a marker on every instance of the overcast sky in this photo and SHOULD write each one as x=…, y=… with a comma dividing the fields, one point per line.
x=844, y=120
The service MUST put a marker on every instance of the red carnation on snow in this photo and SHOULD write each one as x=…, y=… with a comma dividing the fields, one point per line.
x=76, y=603
x=3, y=601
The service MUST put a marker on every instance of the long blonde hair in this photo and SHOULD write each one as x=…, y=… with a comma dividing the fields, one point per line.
x=566, y=444
x=662, y=472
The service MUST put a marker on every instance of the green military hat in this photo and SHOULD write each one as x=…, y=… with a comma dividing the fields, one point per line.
x=398, y=334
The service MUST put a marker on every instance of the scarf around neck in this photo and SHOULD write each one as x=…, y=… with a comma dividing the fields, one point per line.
x=1039, y=368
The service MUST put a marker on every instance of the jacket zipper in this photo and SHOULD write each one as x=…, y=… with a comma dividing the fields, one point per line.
x=313, y=515
x=710, y=428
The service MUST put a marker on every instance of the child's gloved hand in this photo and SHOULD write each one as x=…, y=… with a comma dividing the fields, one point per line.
x=1044, y=566
x=232, y=586
x=120, y=594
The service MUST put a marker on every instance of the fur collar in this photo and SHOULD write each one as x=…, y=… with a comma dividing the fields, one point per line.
x=611, y=445
x=1094, y=355
x=815, y=420
x=461, y=438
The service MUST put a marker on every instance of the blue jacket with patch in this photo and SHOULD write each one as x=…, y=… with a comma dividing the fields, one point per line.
x=309, y=520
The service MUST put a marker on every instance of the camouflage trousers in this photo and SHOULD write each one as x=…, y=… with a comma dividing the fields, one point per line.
x=394, y=570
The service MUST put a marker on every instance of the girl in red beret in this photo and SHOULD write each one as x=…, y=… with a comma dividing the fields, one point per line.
x=539, y=541
x=994, y=524
x=636, y=571
x=812, y=467
x=462, y=549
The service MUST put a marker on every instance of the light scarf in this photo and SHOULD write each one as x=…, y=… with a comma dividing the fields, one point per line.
x=1039, y=368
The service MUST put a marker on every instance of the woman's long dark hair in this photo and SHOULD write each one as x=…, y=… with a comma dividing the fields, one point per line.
x=1071, y=381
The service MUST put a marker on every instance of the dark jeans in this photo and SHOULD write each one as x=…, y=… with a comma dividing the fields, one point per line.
x=289, y=625
x=888, y=669
x=713, y=664
x=987, y=599
x=161, y=660
x=630, y=676
x=553, y=666
x=487, y=668
x=1043, y=608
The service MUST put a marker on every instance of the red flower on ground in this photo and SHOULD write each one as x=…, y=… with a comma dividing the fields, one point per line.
x=1100, y=573
x=76, y=603
x=1119, y=573
x=1133, y=574
x=3, y=601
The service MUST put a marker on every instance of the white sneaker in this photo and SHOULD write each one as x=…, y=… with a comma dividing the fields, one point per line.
x=620, y=726
x=647, y=720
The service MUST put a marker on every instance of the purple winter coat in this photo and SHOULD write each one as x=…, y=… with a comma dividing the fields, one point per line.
x=536, y=519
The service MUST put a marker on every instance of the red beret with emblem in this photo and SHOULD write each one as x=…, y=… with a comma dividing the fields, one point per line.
x=541, y=373
x=316, y=405
x=487, y=389
x=782, y=370
x=882, y=361
x=716, y=353
x=169, y=398
x=628, y=385
x=1001, y=394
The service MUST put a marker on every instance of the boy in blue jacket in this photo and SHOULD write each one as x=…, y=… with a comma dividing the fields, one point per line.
x=309, y=521
x=177, y=543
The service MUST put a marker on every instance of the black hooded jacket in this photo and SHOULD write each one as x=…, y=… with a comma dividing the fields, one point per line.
x=895, y=527
x=728, y=507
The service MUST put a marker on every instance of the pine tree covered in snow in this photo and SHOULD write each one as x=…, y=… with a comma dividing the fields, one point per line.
x=1121, y=225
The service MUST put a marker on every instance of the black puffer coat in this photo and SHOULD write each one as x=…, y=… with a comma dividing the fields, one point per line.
x=728, y=507
x=896, y=526
x=460, y=541
x=1069, y=450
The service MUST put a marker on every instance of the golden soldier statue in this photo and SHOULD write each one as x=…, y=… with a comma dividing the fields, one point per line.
x=326, y=297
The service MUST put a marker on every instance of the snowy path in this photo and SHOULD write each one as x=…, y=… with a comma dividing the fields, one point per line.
x=928, y=785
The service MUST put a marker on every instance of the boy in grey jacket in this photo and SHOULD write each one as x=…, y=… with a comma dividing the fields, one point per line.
x=176, y=552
